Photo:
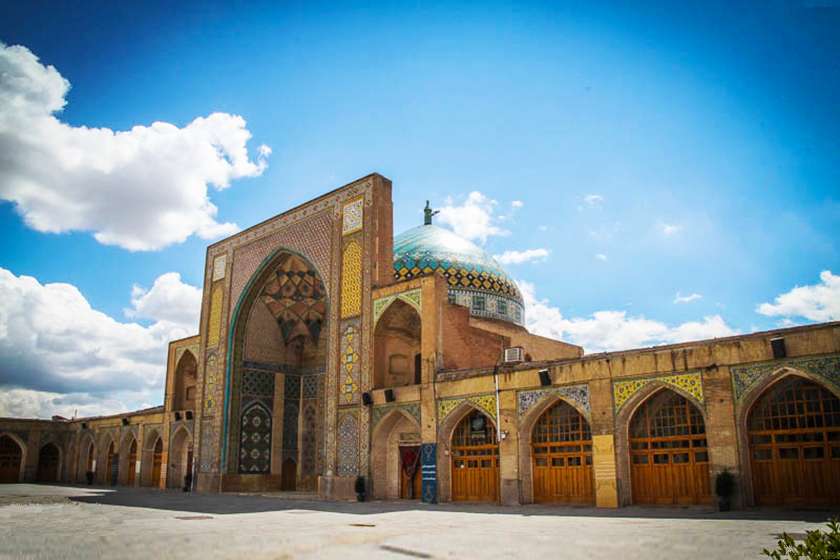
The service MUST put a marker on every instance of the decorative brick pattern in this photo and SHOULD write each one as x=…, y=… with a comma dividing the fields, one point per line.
x=352, y=216
x=744, y=378
x=351, y=280
x=577, y=394
x=486, y=403
x=690, y=383
x=412, y=297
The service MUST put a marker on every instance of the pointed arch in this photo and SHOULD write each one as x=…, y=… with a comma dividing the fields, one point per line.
x=49, y=463
x=12, y=458
x=452, y=456
x=397, y=345
x=180, y=457
x=392, y=431
x=184, y=385
x=584, y=492
x=789, y=428
x=128, y=460
x=87, y=456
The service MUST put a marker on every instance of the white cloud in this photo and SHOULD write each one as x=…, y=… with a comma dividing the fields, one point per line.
x=57, y=352
x=679, y=298
x=818, y=302
x=517, y=204
x=169, y=299
x=518, y=257
x=593, y=199
x=669, y=229
x=140, y=189
x=601, y=257
x=612, y=330
x=474, y=219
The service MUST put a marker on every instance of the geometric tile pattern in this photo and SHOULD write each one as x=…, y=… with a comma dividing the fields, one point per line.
x=296, y=296
x=691, y=383
x=348, y=445
x=255, y=445
x=577, y=394
x=428, y=470
x=214, y=324
x=351, y=280
x=412, y=297
x=486, y=403
x=745, y=377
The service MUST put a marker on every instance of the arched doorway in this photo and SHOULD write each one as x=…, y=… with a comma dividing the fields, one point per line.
x=157, y=463
x=394, y=454
x=475, y=459
x=112, y=466
x=396, y=347
x=48, y=460
x=86, y=457
x=180, y=458
x=669, y=459
x=132, y=463
x=561, y=455
x=11, y=458
x=794, y=439
x=280, y=337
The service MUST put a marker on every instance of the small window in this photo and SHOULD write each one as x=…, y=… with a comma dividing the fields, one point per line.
x=762, y=454
x=640, y=459
x=660, y=459
x=789, y=453
x=501, y=307
x=813, y=452
x=701, y=456
x=557, y=462
x=479, y=303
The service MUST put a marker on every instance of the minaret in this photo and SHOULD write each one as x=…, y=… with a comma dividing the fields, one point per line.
x=428, y=213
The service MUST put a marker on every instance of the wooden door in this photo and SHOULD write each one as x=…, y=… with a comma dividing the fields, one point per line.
x=132, y=463
x=561, y=451
x=157, y=463
x=475, y=460
x=669, y=459
x=48, y=458
x=410, y=477
x=288, y=475
x=10, y=457
x=794, y=432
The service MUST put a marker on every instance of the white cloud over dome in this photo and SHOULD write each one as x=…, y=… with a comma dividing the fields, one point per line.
x=139, y=189
x=474, y=219
x=612, y=330
x=58, y=353
x=519, y=257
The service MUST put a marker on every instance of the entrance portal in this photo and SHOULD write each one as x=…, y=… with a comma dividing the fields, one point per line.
x=475, y=460
x=10, y=459
x=48, y=459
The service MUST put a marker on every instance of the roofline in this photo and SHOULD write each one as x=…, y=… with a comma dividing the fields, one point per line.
x=296, y=208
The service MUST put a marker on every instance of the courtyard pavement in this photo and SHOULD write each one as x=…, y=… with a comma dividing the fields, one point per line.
x=39, y=521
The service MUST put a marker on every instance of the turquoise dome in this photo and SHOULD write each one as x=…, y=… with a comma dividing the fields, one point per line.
x=475, y=278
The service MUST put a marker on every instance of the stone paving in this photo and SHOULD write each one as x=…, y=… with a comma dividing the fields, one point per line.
x=39, y=521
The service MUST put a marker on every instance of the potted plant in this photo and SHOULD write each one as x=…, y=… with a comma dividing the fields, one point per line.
x=725, y=489
x=360, y=488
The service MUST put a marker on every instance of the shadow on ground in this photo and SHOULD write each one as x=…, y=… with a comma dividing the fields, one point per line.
x=224, y=504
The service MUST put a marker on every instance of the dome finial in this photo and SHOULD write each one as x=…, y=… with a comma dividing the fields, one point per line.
x=428, y=213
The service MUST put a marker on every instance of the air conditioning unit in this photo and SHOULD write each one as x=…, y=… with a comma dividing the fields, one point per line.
x=515, y=354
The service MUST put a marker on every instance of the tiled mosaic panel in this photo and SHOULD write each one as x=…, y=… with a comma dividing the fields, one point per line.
x=214, y=324
x=309, y=440
x=348, y=445
x=495, y=306
x=255, y=443
x=310, y=385
x=428, y=470
x=577, y=394
x=258, y=383
x=486, y=403
x=291, y=414
x=351, y=280
x=744, y=378
x=352, y=216
x=690, y=383
x=412, y=297
x=209, y=436
x=379, y=411
x=350, y=362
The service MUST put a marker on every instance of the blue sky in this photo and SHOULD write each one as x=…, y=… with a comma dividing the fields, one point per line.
x=658, y=152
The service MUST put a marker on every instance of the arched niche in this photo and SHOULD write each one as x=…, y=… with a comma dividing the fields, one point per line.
x=396, y=346
x=451, y=452
x=49, y=463
x=185, y=382
x=180, y=457
x=396, y=430
x=12, y=458
x=279, y=334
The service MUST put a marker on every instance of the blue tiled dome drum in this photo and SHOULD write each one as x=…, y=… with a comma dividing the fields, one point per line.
x=475, y=279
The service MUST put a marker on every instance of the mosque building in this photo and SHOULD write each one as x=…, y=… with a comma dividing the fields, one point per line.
x=328, y=350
